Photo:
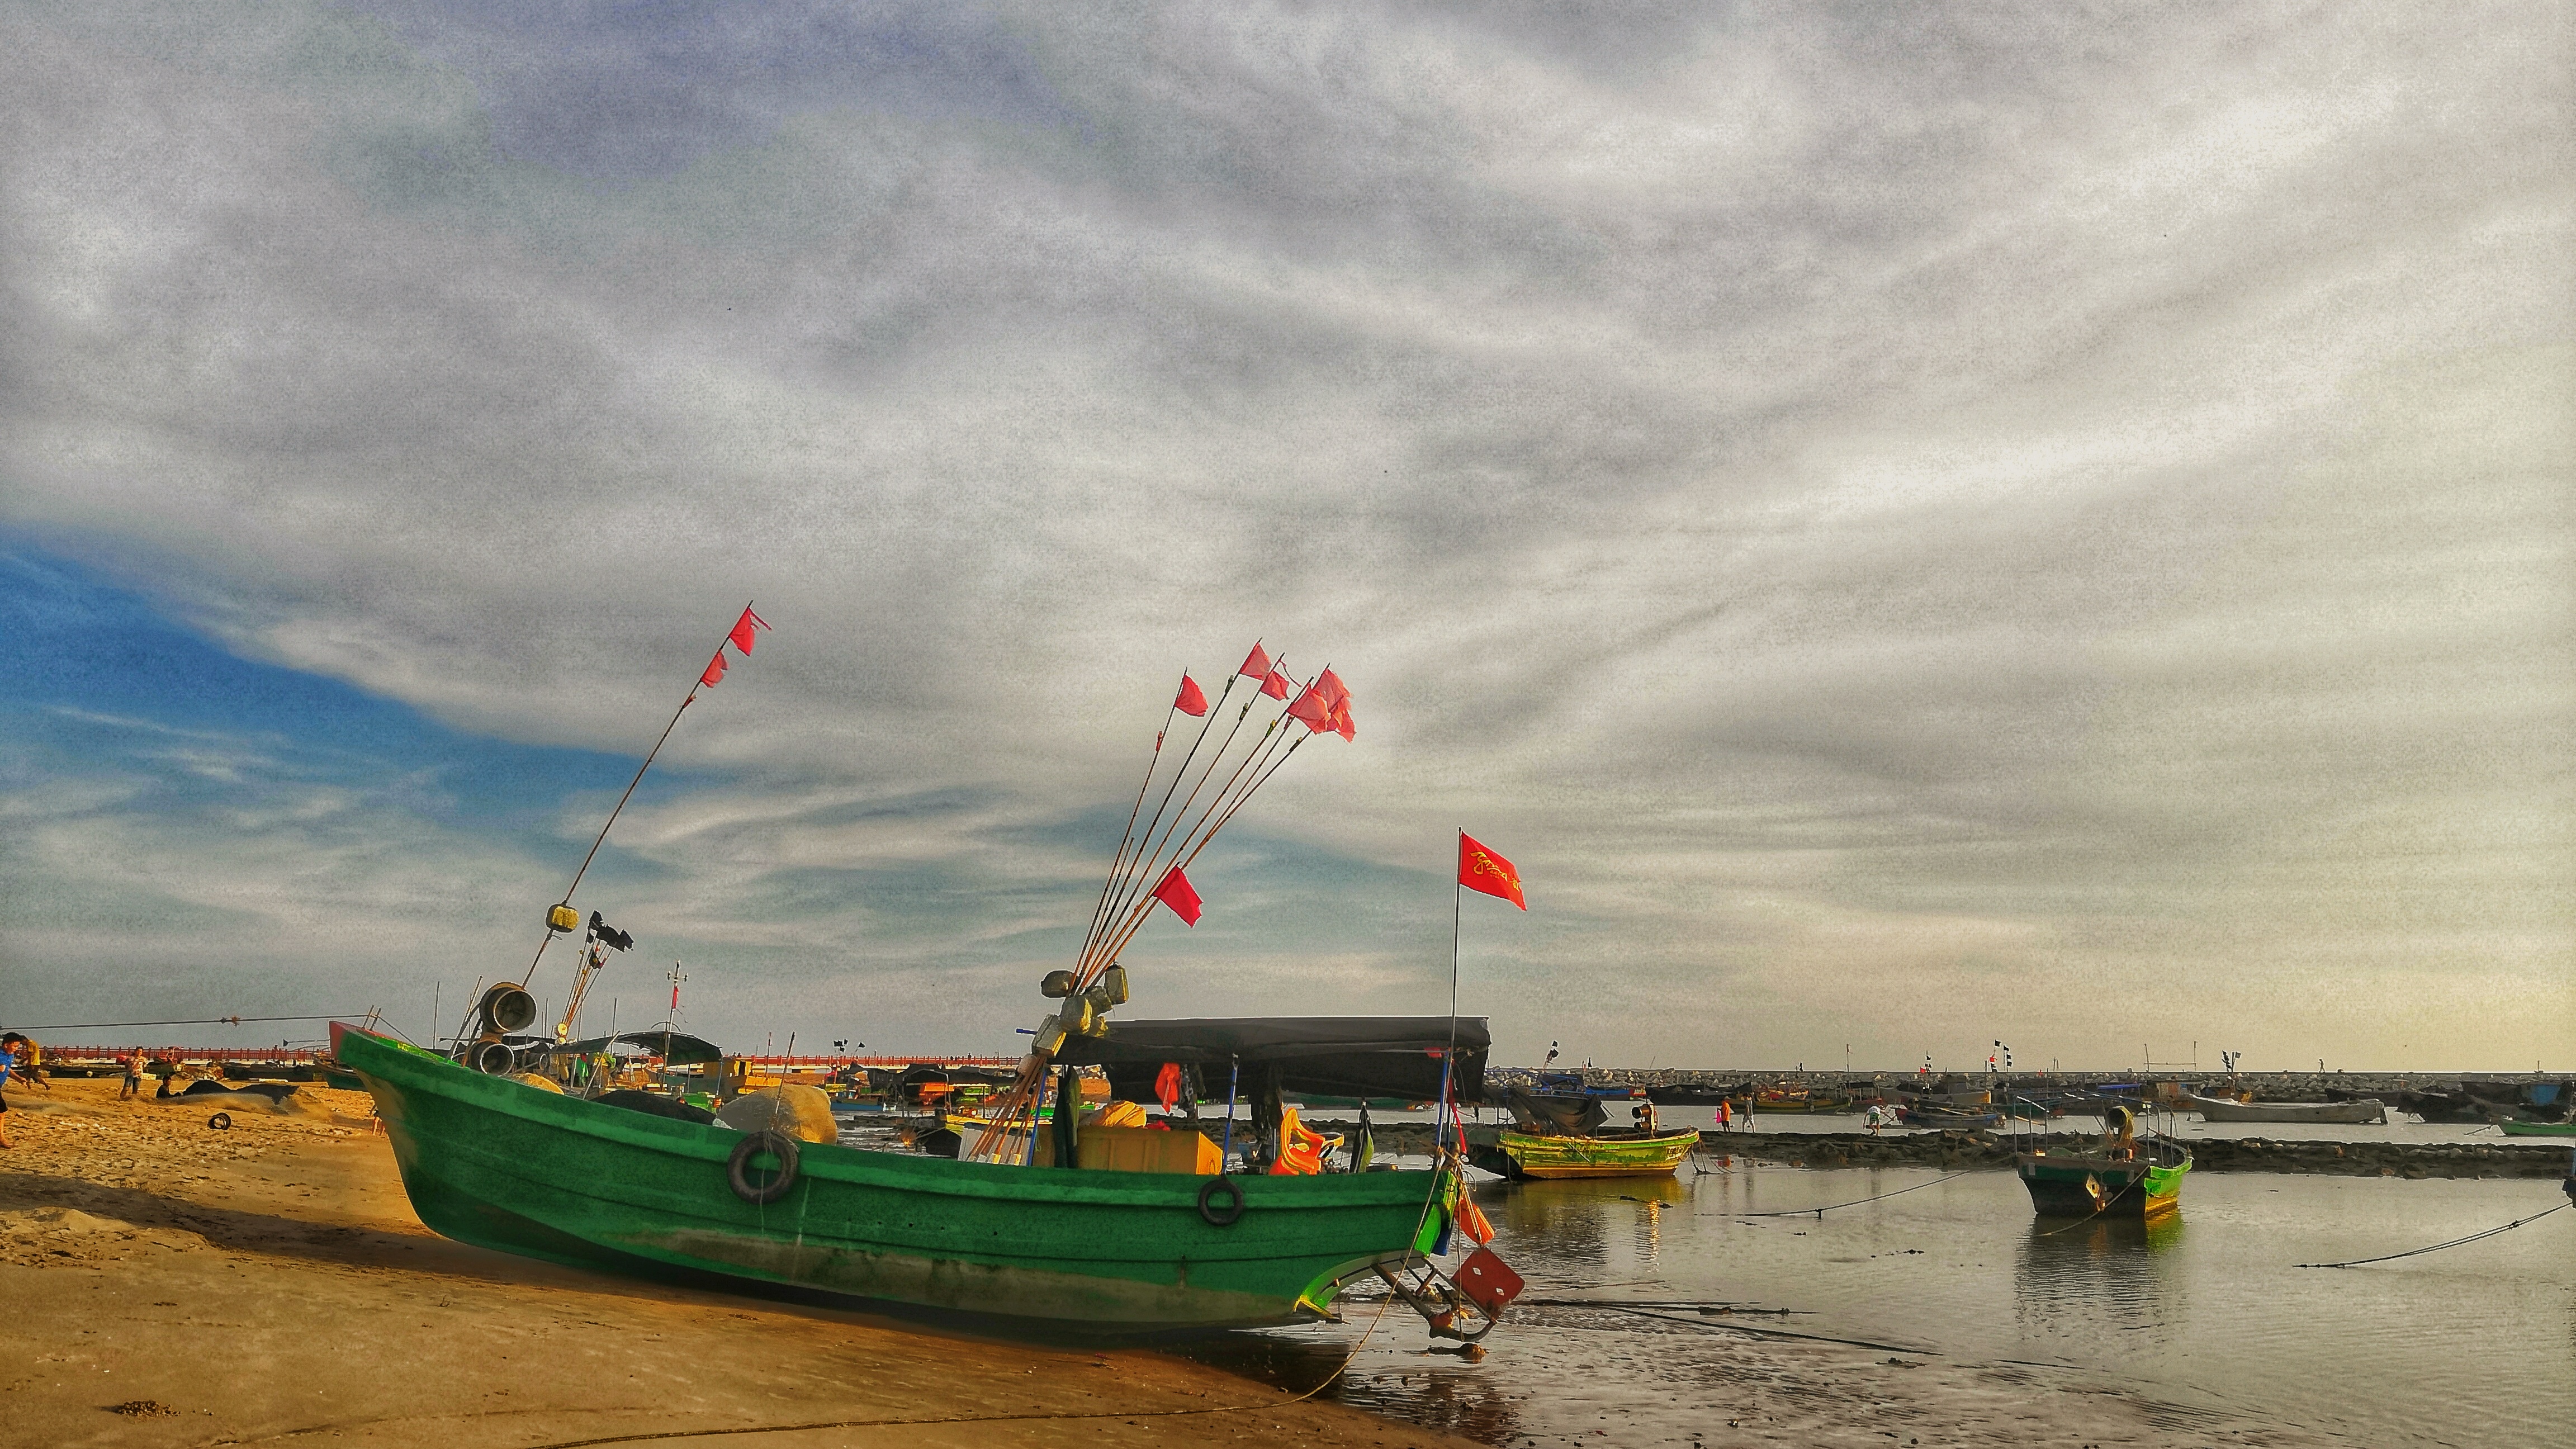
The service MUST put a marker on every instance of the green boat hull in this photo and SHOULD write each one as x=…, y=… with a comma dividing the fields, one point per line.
x=2537, y=1129
x=514, y=1168
x=1528, y=1155
x=2083, y=1185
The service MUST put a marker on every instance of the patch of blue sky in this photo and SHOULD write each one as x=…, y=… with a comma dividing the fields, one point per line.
x=104, y=685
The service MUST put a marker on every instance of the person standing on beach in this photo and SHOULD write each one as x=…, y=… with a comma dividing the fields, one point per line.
x=133, y=1076
x=26, y=1059
x=8, y=1061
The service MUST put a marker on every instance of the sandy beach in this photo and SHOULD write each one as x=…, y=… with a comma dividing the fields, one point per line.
x=174, y=1285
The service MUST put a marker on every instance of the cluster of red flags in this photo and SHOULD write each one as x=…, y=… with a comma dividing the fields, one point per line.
x=745, y=630
x=1324, y=707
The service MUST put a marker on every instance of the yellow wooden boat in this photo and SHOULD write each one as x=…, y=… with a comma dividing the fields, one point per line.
x=1531, y=1154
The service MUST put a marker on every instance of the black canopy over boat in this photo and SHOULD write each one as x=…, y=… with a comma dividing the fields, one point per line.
x=675, y=1048
x=1262, y=1056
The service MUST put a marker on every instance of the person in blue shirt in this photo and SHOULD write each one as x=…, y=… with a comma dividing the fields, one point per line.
x=8, y=1061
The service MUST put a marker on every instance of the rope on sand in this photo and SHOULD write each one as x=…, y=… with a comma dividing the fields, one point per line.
x=2437, y=1247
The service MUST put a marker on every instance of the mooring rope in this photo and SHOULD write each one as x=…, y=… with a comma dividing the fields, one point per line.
x=1855, y=1202
x=2437, y=1247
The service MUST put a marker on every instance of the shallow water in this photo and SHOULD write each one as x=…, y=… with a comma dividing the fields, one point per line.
x=2475, y=1346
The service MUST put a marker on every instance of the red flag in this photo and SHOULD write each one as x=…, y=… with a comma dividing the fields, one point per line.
x=1275, y=684
x=1480, y=869
x=1193, y=700
x=1336, y=693
x=1256, y=663
x=715, y=670
x=1311, y=711
x=1167, y=1085
x=1342, y=720
x=1175, y=892
x=743, y=628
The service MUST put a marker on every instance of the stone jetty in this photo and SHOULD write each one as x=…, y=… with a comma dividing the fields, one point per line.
x=1956, y=1150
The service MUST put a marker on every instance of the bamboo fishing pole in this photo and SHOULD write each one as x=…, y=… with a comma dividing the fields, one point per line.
x=1196, y=840
x=1160, y=805
x=1136, y=920
x=649, y=756
x=1009, y=1106
x=1151, y=764
x=1088, y=963
x=1021, y=1097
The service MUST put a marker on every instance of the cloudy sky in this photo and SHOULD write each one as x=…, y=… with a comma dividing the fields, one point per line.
x=1914, y=526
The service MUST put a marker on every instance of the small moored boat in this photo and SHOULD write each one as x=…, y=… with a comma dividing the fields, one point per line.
x=2511, y=1128
x=2368, y=1111
x=2126, y=1176
x=1533, y=1155
x=1567, y=1136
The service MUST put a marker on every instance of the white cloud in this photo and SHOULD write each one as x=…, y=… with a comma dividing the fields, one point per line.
x=1970, y=494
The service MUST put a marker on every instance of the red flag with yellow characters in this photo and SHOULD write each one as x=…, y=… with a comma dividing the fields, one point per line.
x=1480, y=869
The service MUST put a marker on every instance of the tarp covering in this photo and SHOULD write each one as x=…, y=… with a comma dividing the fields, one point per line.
x=677, y=1048
x=1552, y=1115
x=1341, y=1056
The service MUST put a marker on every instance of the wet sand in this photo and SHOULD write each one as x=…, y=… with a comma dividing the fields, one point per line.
x=173, y=1285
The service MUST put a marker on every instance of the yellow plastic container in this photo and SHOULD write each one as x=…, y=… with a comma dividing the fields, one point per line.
x=1147, y=1149
x=563, y=918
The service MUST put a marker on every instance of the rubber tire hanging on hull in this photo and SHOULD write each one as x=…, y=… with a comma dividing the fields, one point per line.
x=1217, y=1217
x=738, y=1167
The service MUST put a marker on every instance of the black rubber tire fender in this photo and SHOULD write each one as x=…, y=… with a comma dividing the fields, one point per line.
x=738, y=1166
x=1227, y=1216
x=221, y=1121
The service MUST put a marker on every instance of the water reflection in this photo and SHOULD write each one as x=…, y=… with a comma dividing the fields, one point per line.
x=2108, y=1272
x=1419, y=1386
x=2203, y=1313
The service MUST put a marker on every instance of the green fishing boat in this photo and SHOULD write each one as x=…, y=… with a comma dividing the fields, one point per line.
x=2126, y=1176
x=1545, y=1157
x=2537, y=1129
x=493, y=1162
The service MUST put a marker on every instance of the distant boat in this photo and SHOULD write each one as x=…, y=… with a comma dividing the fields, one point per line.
x=1691, y=1094
x=2512, y=1128
x=2123, y=1177
x=2369, y=1111
x=1554, y=1136
x=1798, y=1099
x=1913, y=1115
x=1546, y=1156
